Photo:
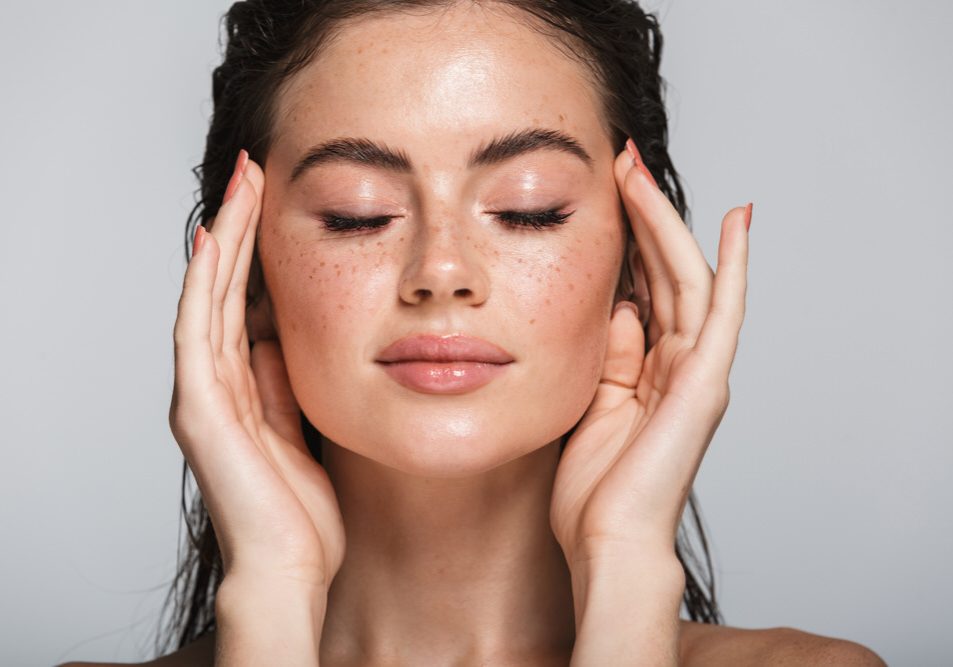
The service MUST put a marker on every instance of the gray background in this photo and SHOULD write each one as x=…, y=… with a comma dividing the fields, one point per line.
x=826, y=490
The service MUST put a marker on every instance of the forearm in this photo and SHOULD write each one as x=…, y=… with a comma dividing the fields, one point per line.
x=627, y=612
x=262, y=623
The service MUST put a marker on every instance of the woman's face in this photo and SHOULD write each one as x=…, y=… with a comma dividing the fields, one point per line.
x=437, y=89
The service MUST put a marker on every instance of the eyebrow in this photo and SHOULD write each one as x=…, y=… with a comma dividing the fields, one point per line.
x=369, y=153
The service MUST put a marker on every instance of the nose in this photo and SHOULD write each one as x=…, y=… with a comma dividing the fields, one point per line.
x=444, y=267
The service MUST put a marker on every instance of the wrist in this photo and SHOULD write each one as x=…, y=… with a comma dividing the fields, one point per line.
x=627, y=611
x=261, y=621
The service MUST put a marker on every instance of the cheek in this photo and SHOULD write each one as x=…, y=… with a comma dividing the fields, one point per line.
x=568, y=294
x=565, y=302
x=323, y=293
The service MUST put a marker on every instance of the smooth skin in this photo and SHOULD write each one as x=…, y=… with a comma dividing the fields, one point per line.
x=261, y=384
x=469, y=541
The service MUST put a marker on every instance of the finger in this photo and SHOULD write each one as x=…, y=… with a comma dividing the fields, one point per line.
x=660, y=287
x=718, y=339
x=229, y=229
x=194, y=361
x=254, y=395
x=684, y=262
x=233, y=310
x=625, y=352
x=278, y=403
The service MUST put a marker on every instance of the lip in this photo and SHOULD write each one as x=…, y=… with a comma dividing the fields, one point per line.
x=450, y=364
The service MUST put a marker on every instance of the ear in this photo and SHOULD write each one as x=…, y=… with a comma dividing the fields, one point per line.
x=259, y=320
x=633, y=285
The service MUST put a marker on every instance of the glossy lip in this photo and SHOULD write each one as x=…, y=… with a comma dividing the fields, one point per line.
x=451, y=347
x=452, y=364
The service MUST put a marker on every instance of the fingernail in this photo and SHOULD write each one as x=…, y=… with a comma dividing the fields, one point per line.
x=637, y=160
x=633, y=151
x=242, y=161
x=748, y=215
x=198, y=239
x=626, y=304
x=237, y=173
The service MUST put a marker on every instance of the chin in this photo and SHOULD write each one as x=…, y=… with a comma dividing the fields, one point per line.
x=447, y=447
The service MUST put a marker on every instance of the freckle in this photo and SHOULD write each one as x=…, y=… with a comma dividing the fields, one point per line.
x=338, y=272
x=324, y=327
x=519, y=260
x=539, y=279
x=588, y=276
x=401, y=238
x=340, y=306
x=380, y=243
x=337, y=266
x=558, y=270
x=280, y=262
x=580, y=302
x=311, y=277
x=548, y=302
x=322, y=263
x=294, y=327
x=571, y=287
x=532, y=321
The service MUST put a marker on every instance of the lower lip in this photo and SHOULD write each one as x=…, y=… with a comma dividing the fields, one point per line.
x=452, y=377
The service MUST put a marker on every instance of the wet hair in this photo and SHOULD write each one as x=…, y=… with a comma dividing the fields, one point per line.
x=266, y=43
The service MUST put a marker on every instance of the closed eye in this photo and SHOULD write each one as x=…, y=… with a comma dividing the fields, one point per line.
x=533, y=219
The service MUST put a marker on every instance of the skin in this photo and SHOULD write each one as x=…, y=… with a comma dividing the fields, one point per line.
x=468, y=540
x=432, y=486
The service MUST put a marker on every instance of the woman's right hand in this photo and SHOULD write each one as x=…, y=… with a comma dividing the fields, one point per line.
x=275, y=513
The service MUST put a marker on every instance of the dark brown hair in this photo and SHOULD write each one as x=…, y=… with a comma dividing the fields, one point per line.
x=268, y=41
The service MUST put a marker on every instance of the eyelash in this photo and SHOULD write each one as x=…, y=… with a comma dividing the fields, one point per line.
x=533, y=219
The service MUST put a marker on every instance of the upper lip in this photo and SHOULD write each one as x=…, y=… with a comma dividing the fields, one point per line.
x=451, y=347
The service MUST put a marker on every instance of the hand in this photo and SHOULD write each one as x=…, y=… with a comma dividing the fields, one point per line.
x=625, y=474
x=236, y=420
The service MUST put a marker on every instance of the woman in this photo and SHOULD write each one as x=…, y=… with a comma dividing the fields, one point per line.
x=447, y=356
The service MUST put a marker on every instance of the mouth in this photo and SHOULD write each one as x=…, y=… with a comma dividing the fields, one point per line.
x=453, y=364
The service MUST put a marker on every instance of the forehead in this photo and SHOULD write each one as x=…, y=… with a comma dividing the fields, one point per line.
x=439, y=77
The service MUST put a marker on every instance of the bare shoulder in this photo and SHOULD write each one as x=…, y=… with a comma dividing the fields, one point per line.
x=200, y=653
x=713, y=645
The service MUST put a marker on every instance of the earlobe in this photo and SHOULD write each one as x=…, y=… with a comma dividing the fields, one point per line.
x=633, y=285
x=259, y=319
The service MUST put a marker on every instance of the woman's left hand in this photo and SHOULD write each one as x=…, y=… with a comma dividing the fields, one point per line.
x=625, y=474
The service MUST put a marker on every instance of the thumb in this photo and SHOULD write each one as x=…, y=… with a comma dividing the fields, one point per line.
x=625, y=352
x=279, y=405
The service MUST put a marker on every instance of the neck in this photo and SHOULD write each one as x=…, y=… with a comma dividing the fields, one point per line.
x=442, y=570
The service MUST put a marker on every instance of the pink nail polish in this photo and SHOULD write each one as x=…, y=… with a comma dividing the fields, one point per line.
x=748, y=215
x=242, y=161
x=198, y=239
x=637, y=160
x=633, y=151
x=237, y=174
